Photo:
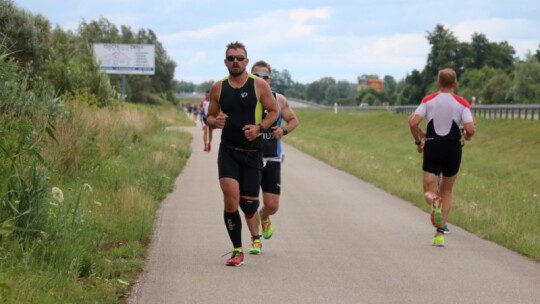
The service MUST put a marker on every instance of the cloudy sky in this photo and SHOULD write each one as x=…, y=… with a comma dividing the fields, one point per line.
x=310, y=38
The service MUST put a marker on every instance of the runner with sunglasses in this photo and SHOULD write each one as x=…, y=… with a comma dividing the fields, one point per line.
x=441, y=145
x=273, y=157
x=236, y=107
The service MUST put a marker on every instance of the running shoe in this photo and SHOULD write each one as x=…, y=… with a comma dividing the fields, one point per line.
x=267, y=228
x=438, y=240
x=256, y=247
x=446, y=230
x=436, y=213
x=237, y=258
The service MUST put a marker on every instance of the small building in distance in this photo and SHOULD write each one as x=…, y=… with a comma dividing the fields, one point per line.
x=370, y=81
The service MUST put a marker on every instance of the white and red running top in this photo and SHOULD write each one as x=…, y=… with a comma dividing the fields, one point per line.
x=442, y=110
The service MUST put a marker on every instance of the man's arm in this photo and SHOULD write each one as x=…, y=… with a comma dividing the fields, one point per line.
x=288, y=115
x=269, y=103
x=417, y=133
x=469, y=130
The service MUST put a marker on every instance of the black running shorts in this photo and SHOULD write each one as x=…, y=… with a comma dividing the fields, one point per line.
x=271, y=178
x=245, y=166
x=442, y=156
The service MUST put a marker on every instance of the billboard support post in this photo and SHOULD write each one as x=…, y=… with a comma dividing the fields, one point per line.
x=124, y=83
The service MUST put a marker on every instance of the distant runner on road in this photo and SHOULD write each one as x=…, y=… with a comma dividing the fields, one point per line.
x=207, y=132
x=441, y=145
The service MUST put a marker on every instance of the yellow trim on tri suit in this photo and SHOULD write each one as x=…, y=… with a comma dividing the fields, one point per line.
x=258, y=108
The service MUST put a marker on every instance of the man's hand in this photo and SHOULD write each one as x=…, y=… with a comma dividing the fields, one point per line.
x=251, y=132
x=277, y=132
x=420, y=147
x=220, y=121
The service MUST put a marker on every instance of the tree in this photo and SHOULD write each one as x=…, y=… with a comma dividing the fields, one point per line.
x=25, y=35
x=389, y=87
x=480, y=46
x=346, y=89
x=205, y=86
x=331, y=94
x=281, y=81
x=184, y=86
x=412, y=90
x=72, y=70
x=296, y=90
x=526, y=79
x=501, y=56
x=317, y=90
x=445, y=52
x=371, y=97
x=497, y=90
x=473, y=82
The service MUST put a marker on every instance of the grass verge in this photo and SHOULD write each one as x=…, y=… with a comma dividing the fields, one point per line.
x=496, y=195
x=110, y=170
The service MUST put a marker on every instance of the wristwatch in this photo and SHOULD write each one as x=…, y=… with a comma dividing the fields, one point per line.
x=285, y=131
x=261, y=128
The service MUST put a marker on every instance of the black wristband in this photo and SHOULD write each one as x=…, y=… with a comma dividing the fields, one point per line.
x=418, y=142
x=285, y=132
x=261, y=128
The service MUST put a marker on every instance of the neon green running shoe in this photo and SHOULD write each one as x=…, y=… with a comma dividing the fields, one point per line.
x=256, y=247
x=436, y=214
x=267, y=228
x=438, y=240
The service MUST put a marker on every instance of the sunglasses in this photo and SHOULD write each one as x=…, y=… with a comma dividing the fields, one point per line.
x=262, y=75
x=232, y=58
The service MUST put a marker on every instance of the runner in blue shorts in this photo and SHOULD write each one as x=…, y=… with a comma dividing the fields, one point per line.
x=273, y=157
x=236, y=107
x=444, y=112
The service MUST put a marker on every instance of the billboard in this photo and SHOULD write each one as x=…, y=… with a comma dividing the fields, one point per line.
x=114, y=58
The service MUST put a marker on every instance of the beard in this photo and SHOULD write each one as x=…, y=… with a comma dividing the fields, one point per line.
x=236, y=72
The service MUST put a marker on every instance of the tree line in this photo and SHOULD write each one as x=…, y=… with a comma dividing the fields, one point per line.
x=488, y=72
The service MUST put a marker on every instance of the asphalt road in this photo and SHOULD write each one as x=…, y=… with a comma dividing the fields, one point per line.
x=337, y=240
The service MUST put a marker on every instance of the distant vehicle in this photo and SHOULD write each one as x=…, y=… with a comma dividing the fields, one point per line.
x=363, y=105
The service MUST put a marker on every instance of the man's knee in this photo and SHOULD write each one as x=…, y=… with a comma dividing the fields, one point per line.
x=271, y=208
x=249, y=206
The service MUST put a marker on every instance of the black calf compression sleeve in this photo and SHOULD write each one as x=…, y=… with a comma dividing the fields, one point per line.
x=233, y=223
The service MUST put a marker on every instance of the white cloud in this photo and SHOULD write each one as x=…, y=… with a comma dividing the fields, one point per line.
x=401, y=50
x=209, y=32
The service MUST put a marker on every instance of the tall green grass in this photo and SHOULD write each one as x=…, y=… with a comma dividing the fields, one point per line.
x=112, y=166
x=496, y=196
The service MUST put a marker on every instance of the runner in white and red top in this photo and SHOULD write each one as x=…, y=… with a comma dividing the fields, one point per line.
x=444, y=112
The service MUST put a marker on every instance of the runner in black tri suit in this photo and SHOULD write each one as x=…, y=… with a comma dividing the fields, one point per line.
x=236, y=106
x=441, y=144
x=273, y=157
